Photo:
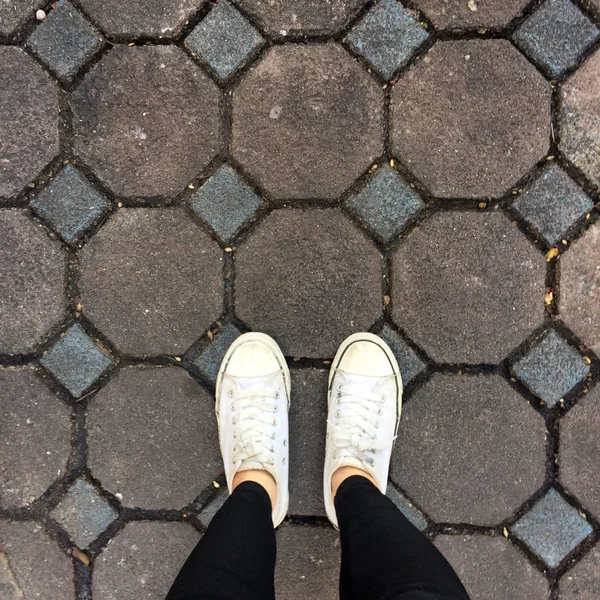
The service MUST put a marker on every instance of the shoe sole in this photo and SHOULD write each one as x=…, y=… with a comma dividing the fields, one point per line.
x=268, y=341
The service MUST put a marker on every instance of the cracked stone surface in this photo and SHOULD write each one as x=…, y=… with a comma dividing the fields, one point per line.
x=286, y=289
x=29, y=124
x=454, y=127
x=140, y=287
x=456, y=263
x=152, y=438
x=146, y=120
x=32, y=280
x=502, y=442
x=319, y=97
x=35, y=437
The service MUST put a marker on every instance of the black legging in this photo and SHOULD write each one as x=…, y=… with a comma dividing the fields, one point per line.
x=384, y=557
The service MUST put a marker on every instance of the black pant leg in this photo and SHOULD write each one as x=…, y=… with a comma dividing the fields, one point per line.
x=235, y=559
x=384, y=556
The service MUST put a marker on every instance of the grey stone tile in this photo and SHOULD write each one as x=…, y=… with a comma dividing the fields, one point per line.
x=556, y=35
x=209, y=361
x=408, y=509
x=65, y=40
x=582, y=582
x=387, y=36
x=76, y=361
x=70, y=204
x=551, y=368
x=224, y=39
x=84, y=513
x=386, y=203
x=552, y=528
x=225, y=202
x=409, y=362
x=552, y=203
x=32, y=282
x=35, y=437
x=210, y=510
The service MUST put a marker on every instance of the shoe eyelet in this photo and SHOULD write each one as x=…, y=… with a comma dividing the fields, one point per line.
x=383, y=399
x=285, y=442
x=230, y=393
x=273, y=449
x=339, y=387
x=273, y=436
x=337, y=414
x=231, y=407
x=379, y=412
x=277, y=395
x=274, y=422
x=276, y=409
x=233, y=421
x=283, y=460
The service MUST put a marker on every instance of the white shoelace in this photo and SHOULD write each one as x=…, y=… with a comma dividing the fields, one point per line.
x=253, y=415
x=356, y=424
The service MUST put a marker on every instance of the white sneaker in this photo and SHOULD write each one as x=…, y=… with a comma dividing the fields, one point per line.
x=252, y=401
x=365, y=401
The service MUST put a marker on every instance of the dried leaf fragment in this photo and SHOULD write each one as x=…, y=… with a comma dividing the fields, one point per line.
x=552, y=253
x=81, y=556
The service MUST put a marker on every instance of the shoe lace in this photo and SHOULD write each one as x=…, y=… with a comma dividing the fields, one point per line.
x=356, y=424
x=253, y=415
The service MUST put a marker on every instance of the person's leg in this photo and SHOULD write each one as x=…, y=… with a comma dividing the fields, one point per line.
x=384, y=556
x=236, y=556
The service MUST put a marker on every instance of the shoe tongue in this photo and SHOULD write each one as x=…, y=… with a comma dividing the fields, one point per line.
x=362, y=382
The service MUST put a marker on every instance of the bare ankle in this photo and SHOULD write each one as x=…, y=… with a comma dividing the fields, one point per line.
x=341, y=474
x=260, y=476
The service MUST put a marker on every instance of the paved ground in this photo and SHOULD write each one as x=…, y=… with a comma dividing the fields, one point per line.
x=173, y=173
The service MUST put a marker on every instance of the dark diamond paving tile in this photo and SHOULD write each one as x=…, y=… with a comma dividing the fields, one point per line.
x=323, y=100
x=387, y=37
x=308, y=563
x=15, y=13
x=210, y=359
x=76, y=360
x=70, y=204
x=309, y=16
x=32, y=281
x=552, y=203
x=225, y=202
x=309, y=278
x=151, y=280
x=408, y=509
x=29, y=124
x=65, y=40
x=456, y=263
x=458, y=14
x=35, y=437
x=552, y=528
x=579, y=454
x=31, y=564
x=386, y=203
x=456, y=128
x=551, y=368
x=503, y=444
x=84, y=513
x=579, y=126
x=582, y=582
x=580, y=288
x=140, y=18
x=556, y=35
x=224, y=39
x=146, y=120
x=211, y=509
x=409, y=362
x=143, y=560
x=308, y=419
x=152, y=438
x=491, y=568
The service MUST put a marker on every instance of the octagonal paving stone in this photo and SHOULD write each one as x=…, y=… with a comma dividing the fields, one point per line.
x=151, y=280
x=578, y=118
x=14, y=13
x=31, y=564
x=146, y=120
x=142, y=561
x=32, y=282
x=307, y=121
x=29, y=137
x=579, y=454
x=309, y=278
x=459, y=14
x=308, y=16
x=456, y=127
x=582, y=582
x=152, y=438
x=140, y=18
x=491, y=568
x=580, y=288
x=34, y=439
x=468, y=287
x=470, y=449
